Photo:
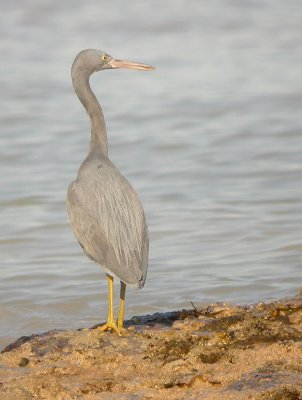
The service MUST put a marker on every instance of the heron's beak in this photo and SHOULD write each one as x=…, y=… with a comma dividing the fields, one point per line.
x=130, y=65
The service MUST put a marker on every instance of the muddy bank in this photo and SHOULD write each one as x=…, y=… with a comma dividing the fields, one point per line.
x=216, y=351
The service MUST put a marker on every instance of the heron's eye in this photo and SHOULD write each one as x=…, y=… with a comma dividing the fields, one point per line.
x=104, y=57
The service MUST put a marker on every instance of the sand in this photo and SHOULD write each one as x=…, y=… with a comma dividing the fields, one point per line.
x=216, y=351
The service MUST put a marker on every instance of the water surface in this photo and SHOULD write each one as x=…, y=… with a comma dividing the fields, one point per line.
x=211, y=141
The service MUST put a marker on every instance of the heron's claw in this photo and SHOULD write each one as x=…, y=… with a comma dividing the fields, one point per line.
x=121, y=327
x=112, y=326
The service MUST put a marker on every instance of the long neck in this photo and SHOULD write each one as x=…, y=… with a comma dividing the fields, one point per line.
x=98, y=142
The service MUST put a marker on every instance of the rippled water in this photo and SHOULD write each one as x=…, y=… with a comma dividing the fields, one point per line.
x=211, y=141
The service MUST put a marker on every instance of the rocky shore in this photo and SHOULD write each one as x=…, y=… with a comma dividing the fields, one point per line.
x=217, y=351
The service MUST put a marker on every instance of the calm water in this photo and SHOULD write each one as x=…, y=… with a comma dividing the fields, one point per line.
x=212, y=141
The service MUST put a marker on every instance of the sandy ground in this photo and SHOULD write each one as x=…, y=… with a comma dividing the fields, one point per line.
x=216, y=352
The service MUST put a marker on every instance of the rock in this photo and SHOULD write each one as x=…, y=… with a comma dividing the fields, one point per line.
x=217, y=351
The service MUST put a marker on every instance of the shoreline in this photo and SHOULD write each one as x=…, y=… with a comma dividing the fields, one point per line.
x=216, y=351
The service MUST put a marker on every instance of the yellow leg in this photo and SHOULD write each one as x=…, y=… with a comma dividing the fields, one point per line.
x=110, y=324
x=121, y=311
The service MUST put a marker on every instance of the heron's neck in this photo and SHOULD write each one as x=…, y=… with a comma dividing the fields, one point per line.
x=98, y=143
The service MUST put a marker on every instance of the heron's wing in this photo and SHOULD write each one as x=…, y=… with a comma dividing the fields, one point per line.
x=109, y=222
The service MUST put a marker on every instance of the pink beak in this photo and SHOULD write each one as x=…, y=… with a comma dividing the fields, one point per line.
x=130, y=65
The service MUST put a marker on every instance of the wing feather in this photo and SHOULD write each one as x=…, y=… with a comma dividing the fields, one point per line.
x=108, y=220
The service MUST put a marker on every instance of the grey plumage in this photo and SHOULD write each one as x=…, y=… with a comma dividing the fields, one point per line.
x=104, y=210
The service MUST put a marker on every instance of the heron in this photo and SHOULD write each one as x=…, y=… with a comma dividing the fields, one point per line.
x=104, y=210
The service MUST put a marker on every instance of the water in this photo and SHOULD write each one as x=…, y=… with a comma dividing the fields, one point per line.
x=211, y=141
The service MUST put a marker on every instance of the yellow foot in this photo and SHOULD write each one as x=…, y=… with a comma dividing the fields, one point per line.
x=112, y=326
x=121, y=328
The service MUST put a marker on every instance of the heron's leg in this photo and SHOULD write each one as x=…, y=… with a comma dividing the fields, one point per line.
x=110, y=324
x=121, y=311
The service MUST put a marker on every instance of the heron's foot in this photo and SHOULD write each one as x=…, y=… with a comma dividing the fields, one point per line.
x=112, y=326
x=121, y=327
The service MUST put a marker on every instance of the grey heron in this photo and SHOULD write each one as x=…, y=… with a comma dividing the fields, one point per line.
x=104, y=210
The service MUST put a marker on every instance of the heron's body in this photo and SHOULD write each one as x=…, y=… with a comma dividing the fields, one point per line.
x=104, y=210
x=108, y=220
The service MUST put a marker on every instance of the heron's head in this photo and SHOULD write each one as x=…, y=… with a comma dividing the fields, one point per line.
x=96, y=60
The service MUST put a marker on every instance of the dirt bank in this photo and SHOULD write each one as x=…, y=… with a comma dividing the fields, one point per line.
x=214, y=352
